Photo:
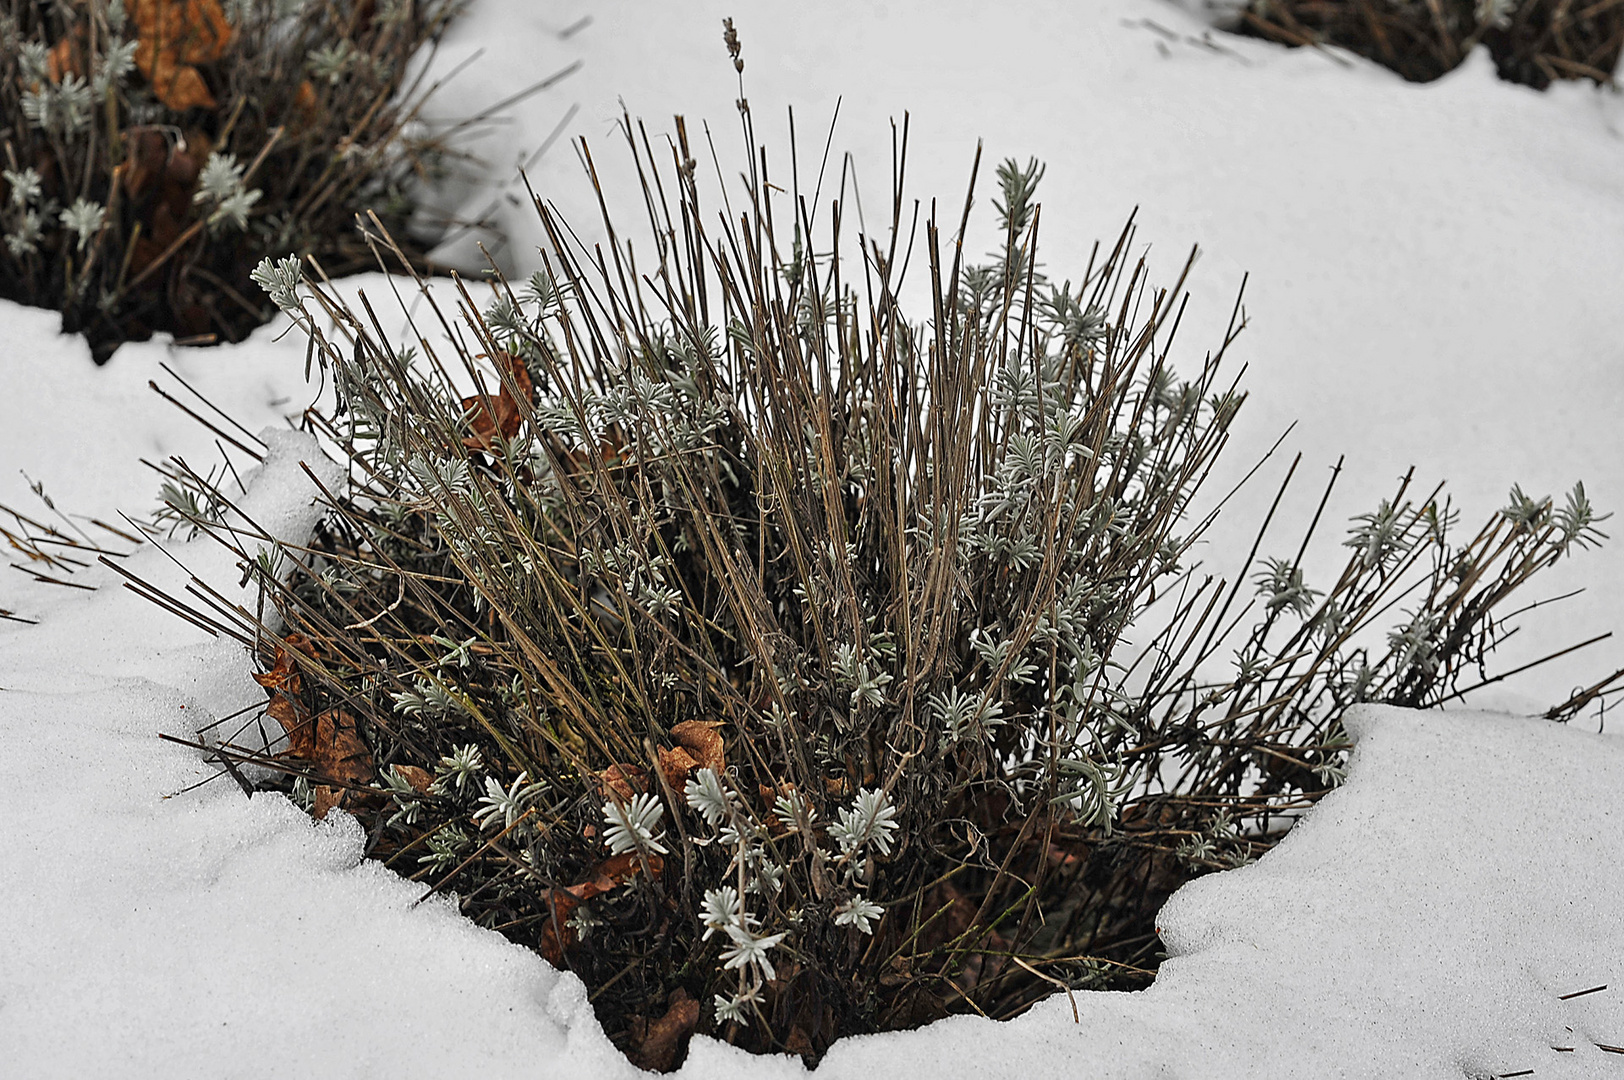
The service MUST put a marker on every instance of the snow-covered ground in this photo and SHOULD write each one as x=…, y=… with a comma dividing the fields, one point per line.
x=1434, y=282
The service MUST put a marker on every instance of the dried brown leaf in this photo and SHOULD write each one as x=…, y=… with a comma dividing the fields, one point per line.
x=420, y=779
x=606, y=876
x=173, y=36
x=67, y=57
x=677, y=764
x=703, y=741
x=657, y=1043
x=622, y=781
x=497, y=414
x=283, y=677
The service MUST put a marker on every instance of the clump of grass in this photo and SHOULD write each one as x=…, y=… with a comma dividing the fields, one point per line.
x=154, y=151
x=1535, y=42
x=790, y=669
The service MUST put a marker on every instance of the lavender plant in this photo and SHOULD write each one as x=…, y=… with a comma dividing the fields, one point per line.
x=153, y=156
x=790, y=669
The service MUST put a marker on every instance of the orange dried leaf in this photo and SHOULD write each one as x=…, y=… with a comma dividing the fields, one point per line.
x=172, y=36
x=657, y=1042
x=703, y=741
x=614, y=872
x=420, y=779
x=67, y=57
x=555, y=935
x=305, y=104
x=676, y=764
x=606, y=876
x=623, y=781
x=282, y=709
x=496, y=414
x=283, y=676
x=332, y=744
x=340, y=752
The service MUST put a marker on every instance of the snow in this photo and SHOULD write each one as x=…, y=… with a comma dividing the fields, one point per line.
x=1434, y=271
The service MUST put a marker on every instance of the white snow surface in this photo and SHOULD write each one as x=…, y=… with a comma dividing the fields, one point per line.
x=1434, y=282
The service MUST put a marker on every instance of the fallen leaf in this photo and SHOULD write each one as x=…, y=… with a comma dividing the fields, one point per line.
x=676, y=764
x=305, y=105
x=420, y=779
x=555, y=935
x=331, y=741
x=614, y=872
x=499, y=414
x=657, y=1043
x=283, y=676
x=703, y=741
x=624, y=781
x=338, y=753
x=172, y=36
x=606, y=876
x=67, y=57
x=284, y=712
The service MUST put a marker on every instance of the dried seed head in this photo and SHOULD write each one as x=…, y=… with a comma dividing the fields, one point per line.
x=730, y=37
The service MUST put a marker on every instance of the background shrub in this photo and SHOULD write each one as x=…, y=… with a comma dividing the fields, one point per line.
x=156, y=150
x=1532, y=41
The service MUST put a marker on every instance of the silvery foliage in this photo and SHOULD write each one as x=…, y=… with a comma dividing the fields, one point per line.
x=27, y=206
x=1496, y=13
x=737, y=1008
x=60, y=108
x=330, y=63
x=962, y=716
x=84, y=219
x=458, y=771
x=220, y=186
x=408, y=806
x=113, y=67
x=281, y=280
x=1042, y=504
x=25, y=187
x=503, y=808
x=859, y=672
x=429, y=698
x=632, y=825
x=241, y=11
x=869, y=822
x=1281, y=583
x=706, y=795
x=643, y=578
x=724, y=910
x=860, y=912
x=446, y=848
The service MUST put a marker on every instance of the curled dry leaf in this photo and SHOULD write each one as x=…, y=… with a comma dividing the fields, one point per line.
x=616, y=871
x=331, y=741
x=173, y=36
x=624, y=782
x=420, y=779
x=677, y=764
x=67, y=57
x=657, y=1042
x=493, y=415
x=158, y=175
x=703, y=742
x=556, y=936
x=305, y=104
x=284, y=676
x=334, y=745
x=606, y=876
